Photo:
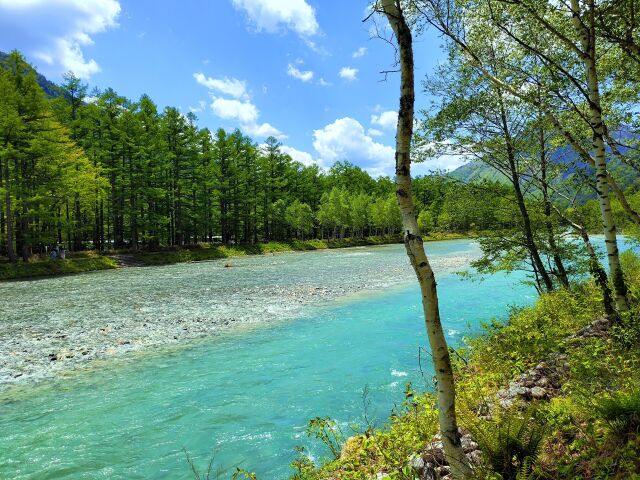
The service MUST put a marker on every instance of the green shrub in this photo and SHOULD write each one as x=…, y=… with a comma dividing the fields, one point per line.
x=328, y=432
x=621, y=412
x=532, y=333
x=43, y=268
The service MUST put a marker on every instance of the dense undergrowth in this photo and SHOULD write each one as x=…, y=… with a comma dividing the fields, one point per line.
x=88, y=261
x=590, y=430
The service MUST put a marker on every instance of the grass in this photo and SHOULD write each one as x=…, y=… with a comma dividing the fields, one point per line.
x=589, y=431
x=213, y=252
x=41, y=268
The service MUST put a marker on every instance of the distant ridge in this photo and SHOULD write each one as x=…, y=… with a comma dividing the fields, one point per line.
x=625, y=175
x=50, y=88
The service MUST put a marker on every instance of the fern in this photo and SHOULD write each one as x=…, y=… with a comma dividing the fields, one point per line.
x=621, y=412
x=511, y=443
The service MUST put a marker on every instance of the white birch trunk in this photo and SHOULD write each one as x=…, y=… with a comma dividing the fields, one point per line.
x=415, y=250
x=588, y=43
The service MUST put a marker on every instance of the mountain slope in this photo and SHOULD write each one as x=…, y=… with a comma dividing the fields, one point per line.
x=625, y=175
x=50, y=88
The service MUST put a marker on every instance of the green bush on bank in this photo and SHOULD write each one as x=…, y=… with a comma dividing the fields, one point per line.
x=214, y=252
x=87, y=261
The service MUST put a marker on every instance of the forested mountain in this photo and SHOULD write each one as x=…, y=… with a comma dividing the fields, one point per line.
x=50, y=88
x=473, y=171
x=477, y=170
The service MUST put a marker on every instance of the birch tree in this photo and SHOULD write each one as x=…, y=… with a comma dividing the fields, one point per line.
x=584, y=23
x=415, y=249
x=541, y=31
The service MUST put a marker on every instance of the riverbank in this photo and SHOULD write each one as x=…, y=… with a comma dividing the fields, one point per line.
x=48, y=268
x=552, y=393
x=89, y=261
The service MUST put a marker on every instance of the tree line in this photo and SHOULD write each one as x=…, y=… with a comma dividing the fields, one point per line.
x=99, y=171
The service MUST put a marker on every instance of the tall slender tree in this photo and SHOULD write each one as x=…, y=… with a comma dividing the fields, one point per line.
x=415, y=250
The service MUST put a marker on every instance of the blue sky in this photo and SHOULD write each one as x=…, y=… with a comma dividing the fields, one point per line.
x=305, y=71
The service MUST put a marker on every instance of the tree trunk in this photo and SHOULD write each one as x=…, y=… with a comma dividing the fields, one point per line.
x=557, y=259
x=11, y=253
x=415, y=249
x=526, y=220
x=77, y=229
x=588, y=40
x=600, y=276
x=595, y=268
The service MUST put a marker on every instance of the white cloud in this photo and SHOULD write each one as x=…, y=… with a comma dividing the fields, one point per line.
x=239, y=108
x=345, y=139
x=304, y=158
x=374, y=132
x=229, y=86
x=348, y=73
x=322, y=82
x=294, y=72
x=201, y=106
x=54, y=31
x=444, y=162
x=272, y=15
x=386, y=120
x=320, y=50
x=231, y=109
x=359, y=52
x=243, y=111
x=263, y=130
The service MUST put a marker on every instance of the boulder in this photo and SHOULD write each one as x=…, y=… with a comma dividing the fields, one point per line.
x=475, y=457
x=468, y=445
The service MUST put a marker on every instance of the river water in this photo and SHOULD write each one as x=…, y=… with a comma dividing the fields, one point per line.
x=308, y=332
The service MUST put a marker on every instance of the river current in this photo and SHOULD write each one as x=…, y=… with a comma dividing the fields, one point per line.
x=304, y=334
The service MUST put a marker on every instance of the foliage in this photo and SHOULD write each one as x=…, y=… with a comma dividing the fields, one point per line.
x=12, y=271
x=510, y=443
x=533, y=333
x=328, y=432
x=110, y=173
x=621, y=412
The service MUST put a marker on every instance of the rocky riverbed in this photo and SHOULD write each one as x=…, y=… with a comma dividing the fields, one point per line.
x=55, y=325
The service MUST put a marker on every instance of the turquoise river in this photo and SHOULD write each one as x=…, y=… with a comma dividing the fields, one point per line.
x=245, y=394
